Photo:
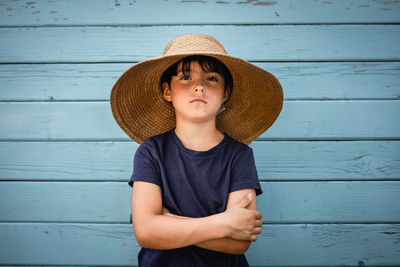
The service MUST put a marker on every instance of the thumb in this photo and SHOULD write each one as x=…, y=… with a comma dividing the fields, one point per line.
x=245, y=201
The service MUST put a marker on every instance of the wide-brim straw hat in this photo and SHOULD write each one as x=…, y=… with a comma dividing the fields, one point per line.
x=141, y=111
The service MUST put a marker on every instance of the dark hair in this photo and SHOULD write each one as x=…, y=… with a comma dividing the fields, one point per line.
x=208, y=64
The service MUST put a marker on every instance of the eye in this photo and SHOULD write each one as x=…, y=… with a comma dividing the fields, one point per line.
x=212, y=78
x=185, y=77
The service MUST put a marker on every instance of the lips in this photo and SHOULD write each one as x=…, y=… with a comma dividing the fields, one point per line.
x=198, y=100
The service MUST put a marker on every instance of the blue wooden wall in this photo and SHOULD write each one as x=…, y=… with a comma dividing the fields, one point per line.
x=329, y=166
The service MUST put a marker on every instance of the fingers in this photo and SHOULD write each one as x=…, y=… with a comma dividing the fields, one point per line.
x=258, y=223
x=258, y=215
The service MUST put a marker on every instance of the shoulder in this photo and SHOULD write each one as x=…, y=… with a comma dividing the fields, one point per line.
x=155, y=143
x=237, y=147
x=238, y=152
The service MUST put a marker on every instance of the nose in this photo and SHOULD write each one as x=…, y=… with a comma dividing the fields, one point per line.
x=199, y=88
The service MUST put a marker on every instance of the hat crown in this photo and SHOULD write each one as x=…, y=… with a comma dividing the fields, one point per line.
x=194, y=43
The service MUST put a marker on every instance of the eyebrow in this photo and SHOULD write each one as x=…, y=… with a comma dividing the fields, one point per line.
x=180, y=71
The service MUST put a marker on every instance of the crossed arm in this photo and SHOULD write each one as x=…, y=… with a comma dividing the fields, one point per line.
x=231, y=231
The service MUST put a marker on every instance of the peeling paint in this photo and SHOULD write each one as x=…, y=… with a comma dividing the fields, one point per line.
x=359, y=157
x=36, y=12
x=364, y=6
x=326, y=2
x=276, y=14
x=264, y=3
x=221, y=2
x=9, y=9
x=391, y=2
x=390, y=233
x=30, y=3
x=52, y=11
x=193, y=1
x=359, y=70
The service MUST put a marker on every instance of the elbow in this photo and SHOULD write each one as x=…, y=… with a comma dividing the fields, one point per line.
x=244, y=247
x=140, y=239
x=240, y=247
x=142, y=236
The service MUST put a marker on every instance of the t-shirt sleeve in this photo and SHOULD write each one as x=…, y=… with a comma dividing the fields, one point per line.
x=145, y=167
x=244, y=172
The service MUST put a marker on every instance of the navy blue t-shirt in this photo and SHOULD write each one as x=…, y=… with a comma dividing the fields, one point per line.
x=194, y=184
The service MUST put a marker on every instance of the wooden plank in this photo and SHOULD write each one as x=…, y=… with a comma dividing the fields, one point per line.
x=256, y=42
x=281, y=202
x=275, y=160
x=327, y=160
x=300, y=80
x=278, y=245
x=305, y=120
x=153, y=12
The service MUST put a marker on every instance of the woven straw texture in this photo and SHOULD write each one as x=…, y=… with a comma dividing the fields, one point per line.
x=141, y=111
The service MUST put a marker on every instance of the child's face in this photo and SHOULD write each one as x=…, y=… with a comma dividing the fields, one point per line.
x=196, y=96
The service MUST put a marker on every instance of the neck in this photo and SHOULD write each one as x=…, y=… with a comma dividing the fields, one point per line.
x=198, y=136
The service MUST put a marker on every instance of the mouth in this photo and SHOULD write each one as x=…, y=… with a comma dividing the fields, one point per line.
x=198, y=100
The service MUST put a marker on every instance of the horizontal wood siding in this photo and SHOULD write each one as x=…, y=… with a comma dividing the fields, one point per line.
x=329, y=166
x=154, y=12
x=257, y=43
x=115, y=245
x=291, y=202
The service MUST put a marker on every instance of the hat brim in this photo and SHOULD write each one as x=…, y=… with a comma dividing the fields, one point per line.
x=141, y=111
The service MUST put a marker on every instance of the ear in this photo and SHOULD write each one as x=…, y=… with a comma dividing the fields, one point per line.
x=166, y=91
x=227, y=93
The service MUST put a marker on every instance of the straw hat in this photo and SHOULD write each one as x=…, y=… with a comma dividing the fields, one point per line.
x=141, y=111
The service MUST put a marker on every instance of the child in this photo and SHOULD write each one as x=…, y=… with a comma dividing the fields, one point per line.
x=194, y=111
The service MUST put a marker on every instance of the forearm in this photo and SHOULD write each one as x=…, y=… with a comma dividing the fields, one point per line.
x=169, y=232
x=224, y=244
x=156, y=230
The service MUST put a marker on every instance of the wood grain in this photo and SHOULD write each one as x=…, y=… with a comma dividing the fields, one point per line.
x=299, y=120
x=256, y=43
x=281, y=202
x=275, y=160
x=126, y=12
x=278, y=245
x=300, y=81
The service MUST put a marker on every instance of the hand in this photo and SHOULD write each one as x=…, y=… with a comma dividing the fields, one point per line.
x=243, y=223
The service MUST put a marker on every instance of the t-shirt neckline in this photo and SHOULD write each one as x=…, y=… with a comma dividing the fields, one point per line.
x=198, y=153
